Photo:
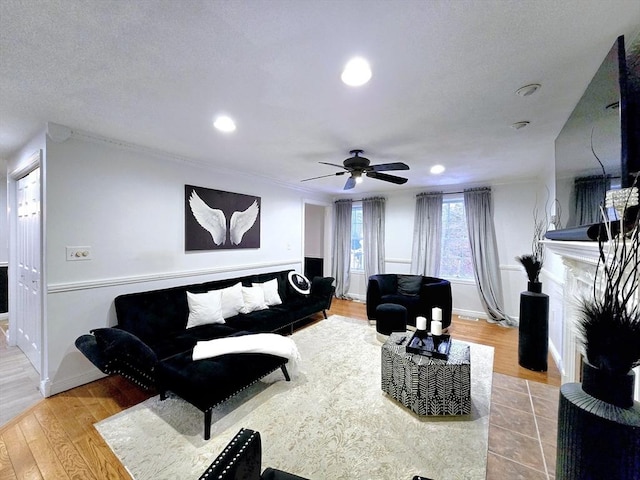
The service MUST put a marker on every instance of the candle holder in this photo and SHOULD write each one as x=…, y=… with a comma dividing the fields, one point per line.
x=423, y=343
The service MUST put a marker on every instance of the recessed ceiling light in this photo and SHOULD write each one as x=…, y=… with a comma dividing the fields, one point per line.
x=437, y=169
x=224, y=124
x=519, y=125
x=528, y=90
x=357, y=72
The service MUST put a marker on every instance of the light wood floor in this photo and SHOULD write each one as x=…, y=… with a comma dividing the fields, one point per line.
x=19, y=381
x=55, y=439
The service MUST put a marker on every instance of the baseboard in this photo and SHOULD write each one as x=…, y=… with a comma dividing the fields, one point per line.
x=557, y=358
x=469, y=314
x=48, y=388
x=357, y=297
x=463, y=314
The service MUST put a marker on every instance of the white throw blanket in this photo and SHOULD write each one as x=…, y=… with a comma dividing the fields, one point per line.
x=270, y=343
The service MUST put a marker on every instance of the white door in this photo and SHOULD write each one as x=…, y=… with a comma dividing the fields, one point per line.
x=28, y=309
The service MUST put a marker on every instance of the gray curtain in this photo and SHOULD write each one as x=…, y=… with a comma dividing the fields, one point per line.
x=589, y=193
x=341, y=246
x=427, y=235
x=373, y=235
x=478, y=209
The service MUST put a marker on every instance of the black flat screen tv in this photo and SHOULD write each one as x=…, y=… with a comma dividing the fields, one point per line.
x=598, y=148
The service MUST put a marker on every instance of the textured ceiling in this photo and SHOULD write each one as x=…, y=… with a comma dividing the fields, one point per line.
x=155, y=73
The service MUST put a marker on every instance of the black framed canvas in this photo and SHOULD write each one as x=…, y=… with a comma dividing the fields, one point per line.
x=216, y=220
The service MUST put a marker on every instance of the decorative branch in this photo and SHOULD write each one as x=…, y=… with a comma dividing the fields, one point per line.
x=610, y=322
x=533, y=263
x=532, y=266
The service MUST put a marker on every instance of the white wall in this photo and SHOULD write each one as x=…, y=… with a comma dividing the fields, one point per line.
x=128, y=205
x=513, y=220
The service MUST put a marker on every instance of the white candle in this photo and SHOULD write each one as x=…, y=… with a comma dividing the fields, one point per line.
x=436, y=313
x=436, y=327
x=421, y=323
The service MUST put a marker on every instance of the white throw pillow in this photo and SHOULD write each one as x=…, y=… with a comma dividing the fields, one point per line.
x=232, y=301
x=253, y=299
x=204, y=308
x=270, y=290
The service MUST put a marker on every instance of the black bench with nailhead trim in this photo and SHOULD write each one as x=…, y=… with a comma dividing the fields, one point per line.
x=209, y=382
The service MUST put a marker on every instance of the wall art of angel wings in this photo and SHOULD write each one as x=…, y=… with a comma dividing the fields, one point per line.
x=217, y=220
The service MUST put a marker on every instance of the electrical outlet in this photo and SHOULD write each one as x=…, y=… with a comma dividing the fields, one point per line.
x=75, y=254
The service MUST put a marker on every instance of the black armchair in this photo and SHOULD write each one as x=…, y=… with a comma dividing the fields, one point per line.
x=241, y=459
x=417, y=293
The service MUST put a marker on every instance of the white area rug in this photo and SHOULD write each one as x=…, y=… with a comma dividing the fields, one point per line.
x=332, y=422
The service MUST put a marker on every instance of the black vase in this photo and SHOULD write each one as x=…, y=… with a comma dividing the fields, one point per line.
x=611, y=388
x=535, y=287
x=533, y=331
x=597, y=437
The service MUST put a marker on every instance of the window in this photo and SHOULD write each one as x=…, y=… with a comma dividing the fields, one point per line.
x=455, y=260
x=356, y=237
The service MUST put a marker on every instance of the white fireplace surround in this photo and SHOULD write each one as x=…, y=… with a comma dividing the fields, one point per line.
x=579, y=261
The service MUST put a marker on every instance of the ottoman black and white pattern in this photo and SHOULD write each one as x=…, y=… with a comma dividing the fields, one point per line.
x=427, y=385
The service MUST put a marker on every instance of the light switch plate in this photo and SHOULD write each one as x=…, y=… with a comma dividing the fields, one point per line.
x=75, y=254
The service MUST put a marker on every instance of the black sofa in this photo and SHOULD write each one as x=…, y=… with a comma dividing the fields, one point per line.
x=152, y=325
x=417, y=293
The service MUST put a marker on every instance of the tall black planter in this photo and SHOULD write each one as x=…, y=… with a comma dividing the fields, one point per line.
x=533, y=336
x=597, y=438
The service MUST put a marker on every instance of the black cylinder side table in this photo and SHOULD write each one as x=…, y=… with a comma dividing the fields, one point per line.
x=533, y=335
x=596, y=440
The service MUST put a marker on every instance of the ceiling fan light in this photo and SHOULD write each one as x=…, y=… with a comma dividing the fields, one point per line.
x=357, y=176
x=357, y=72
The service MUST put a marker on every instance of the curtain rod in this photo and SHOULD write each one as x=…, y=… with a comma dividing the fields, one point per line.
x=424, y=193
x=442, y=193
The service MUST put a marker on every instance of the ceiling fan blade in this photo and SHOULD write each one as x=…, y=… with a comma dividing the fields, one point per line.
x=351, y=182
x=333, y=165
x=383, y=167
x=387, y=178
x=323, y=176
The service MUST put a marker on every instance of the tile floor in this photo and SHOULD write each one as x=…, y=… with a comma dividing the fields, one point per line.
x=522, y=430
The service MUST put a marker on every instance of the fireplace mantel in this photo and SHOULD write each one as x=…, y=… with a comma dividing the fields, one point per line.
x=585, y=252
x=580, y=261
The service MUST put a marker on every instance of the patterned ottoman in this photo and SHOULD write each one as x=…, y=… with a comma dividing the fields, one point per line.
x=426, y=385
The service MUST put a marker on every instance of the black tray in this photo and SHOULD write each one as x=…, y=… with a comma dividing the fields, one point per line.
x=423, y=343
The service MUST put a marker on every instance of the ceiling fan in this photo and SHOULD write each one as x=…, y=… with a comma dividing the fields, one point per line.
x=359, y=167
